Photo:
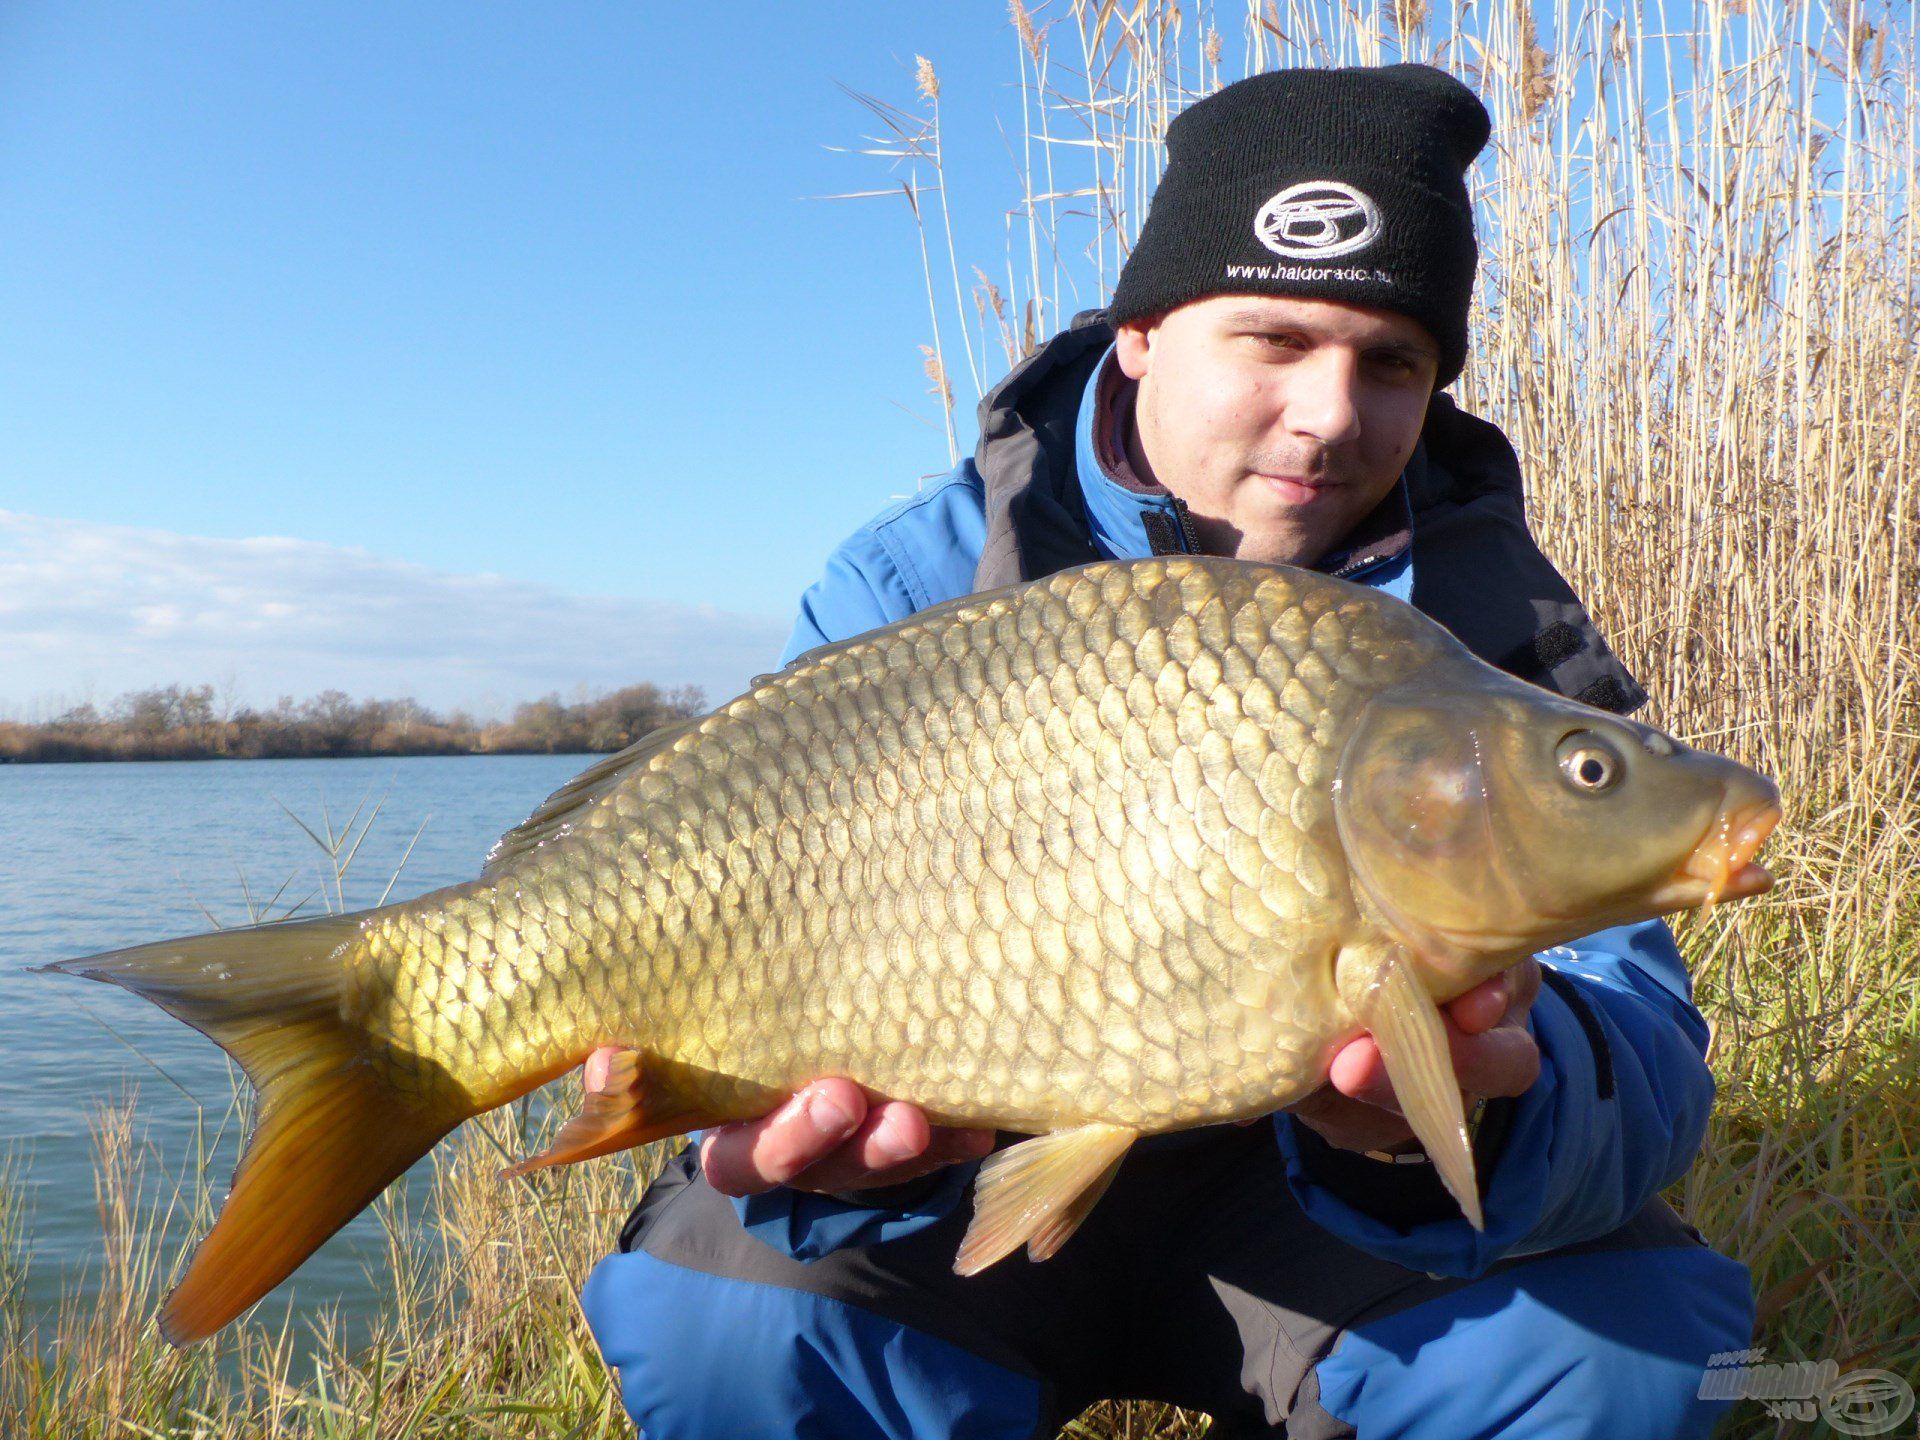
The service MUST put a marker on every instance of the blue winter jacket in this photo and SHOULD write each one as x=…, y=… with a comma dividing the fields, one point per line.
x=1621, y=1104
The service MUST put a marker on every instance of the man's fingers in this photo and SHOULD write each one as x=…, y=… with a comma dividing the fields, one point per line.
x=892, y=1134
x=759, y=1154
x=1349, y=1123
x=949, y=1147
x=1360, y=1074
x=894, y=1144
x=827, y=1138
x=1511, y=992
x=1479, y=1008
x=595, y=1075
x=1503, y=1061
x=1526, y=987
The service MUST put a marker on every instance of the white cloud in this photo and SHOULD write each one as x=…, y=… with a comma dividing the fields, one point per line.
x=88, y=611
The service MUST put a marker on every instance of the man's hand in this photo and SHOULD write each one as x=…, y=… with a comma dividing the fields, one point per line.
x=1492, y=1054
x=827, y=1137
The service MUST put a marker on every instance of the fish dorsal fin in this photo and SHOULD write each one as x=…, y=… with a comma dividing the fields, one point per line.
x=1036, y=1193
x=560, y=809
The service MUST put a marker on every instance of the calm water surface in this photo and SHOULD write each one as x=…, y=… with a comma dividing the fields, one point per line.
x=100, y=856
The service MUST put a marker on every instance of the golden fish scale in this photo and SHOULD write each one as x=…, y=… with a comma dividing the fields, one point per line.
x=1051, y=855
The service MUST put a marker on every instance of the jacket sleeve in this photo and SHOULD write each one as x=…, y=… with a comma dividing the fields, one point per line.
x=861, y=589
x=1617, y=1114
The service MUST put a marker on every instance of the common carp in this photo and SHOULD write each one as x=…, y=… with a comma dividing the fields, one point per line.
x=1133, y=848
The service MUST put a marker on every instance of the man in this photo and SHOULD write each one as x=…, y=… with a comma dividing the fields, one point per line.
x=1265, y=385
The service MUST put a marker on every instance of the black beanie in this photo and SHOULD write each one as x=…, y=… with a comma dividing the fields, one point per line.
x=1331, y=184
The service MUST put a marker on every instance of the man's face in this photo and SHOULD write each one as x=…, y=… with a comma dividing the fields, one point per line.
x=1281, y=422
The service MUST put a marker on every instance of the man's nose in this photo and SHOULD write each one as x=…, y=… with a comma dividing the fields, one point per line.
x=1323, y=403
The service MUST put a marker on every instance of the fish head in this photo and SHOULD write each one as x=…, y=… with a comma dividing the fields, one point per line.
x=1486, y=819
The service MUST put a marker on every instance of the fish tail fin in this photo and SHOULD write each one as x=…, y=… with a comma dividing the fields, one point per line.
x=332, y=1131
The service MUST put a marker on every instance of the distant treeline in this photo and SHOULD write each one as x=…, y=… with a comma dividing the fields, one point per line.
x=178, y=722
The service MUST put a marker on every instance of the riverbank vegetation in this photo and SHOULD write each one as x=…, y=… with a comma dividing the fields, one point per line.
x=176, y=722
x=1696, y=320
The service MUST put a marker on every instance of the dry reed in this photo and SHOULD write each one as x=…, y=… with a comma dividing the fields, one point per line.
x=1696, y=322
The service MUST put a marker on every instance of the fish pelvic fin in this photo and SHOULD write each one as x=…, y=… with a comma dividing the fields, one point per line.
x=628, y=1110
x=1407, y=1026
x=1038, y=1192
x=332, y=1129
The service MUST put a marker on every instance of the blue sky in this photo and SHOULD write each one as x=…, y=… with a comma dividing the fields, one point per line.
x=443, y=291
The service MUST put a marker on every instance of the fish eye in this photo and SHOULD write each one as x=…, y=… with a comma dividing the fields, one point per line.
x=1590, y=764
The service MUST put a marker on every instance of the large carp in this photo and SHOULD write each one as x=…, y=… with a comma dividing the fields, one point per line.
x=1129, y=849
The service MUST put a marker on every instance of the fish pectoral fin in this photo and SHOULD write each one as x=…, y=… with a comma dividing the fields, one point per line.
x=1036, y=1193
x=626, y=1112
x=1406, y=1025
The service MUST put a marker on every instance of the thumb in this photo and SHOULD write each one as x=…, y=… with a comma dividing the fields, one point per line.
x=594, y=1074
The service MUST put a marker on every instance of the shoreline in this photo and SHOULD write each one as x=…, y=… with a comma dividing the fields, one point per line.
x=188, y=759
x=177, y=722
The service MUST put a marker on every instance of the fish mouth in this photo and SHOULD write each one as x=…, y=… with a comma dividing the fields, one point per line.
x=1721, y=866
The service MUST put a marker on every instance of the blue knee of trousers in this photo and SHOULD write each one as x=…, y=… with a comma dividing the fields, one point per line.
x=1608, y=1344
x=705, y=1355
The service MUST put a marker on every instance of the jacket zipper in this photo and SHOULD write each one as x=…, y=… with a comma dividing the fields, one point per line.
x=1188, y=537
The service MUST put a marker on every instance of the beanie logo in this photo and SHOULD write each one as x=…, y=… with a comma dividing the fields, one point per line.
x=1317, y=220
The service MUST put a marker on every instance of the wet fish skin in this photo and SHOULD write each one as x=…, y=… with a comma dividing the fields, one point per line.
x=1017, y=866
x=1132, y=848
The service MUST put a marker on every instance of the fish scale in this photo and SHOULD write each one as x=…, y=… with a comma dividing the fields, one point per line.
x=839, y=923
x=1131, y=848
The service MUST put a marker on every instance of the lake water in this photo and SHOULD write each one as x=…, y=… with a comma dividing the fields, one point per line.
x=101, y=856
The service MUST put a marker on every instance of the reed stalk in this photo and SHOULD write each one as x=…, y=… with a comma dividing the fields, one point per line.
x=1696, y=321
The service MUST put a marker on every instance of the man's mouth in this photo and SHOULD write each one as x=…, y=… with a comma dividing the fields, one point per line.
x=1300, y=489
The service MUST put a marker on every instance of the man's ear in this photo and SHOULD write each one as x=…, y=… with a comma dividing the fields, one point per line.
x=1133, y=346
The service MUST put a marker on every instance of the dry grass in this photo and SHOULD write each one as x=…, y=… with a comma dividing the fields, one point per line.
x=480, y=1333
x=1696, y=321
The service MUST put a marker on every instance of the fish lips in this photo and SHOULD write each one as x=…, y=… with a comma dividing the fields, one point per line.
x=1721, y=866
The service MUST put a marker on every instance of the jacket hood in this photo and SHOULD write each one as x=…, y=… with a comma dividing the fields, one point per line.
x=1036, y=518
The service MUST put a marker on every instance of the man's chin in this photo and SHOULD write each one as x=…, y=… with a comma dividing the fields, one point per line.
x=1282, y=535
x=1270, y=549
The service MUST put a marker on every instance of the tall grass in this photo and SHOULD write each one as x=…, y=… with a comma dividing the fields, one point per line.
x=1696, y=321
x=478, y=1333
